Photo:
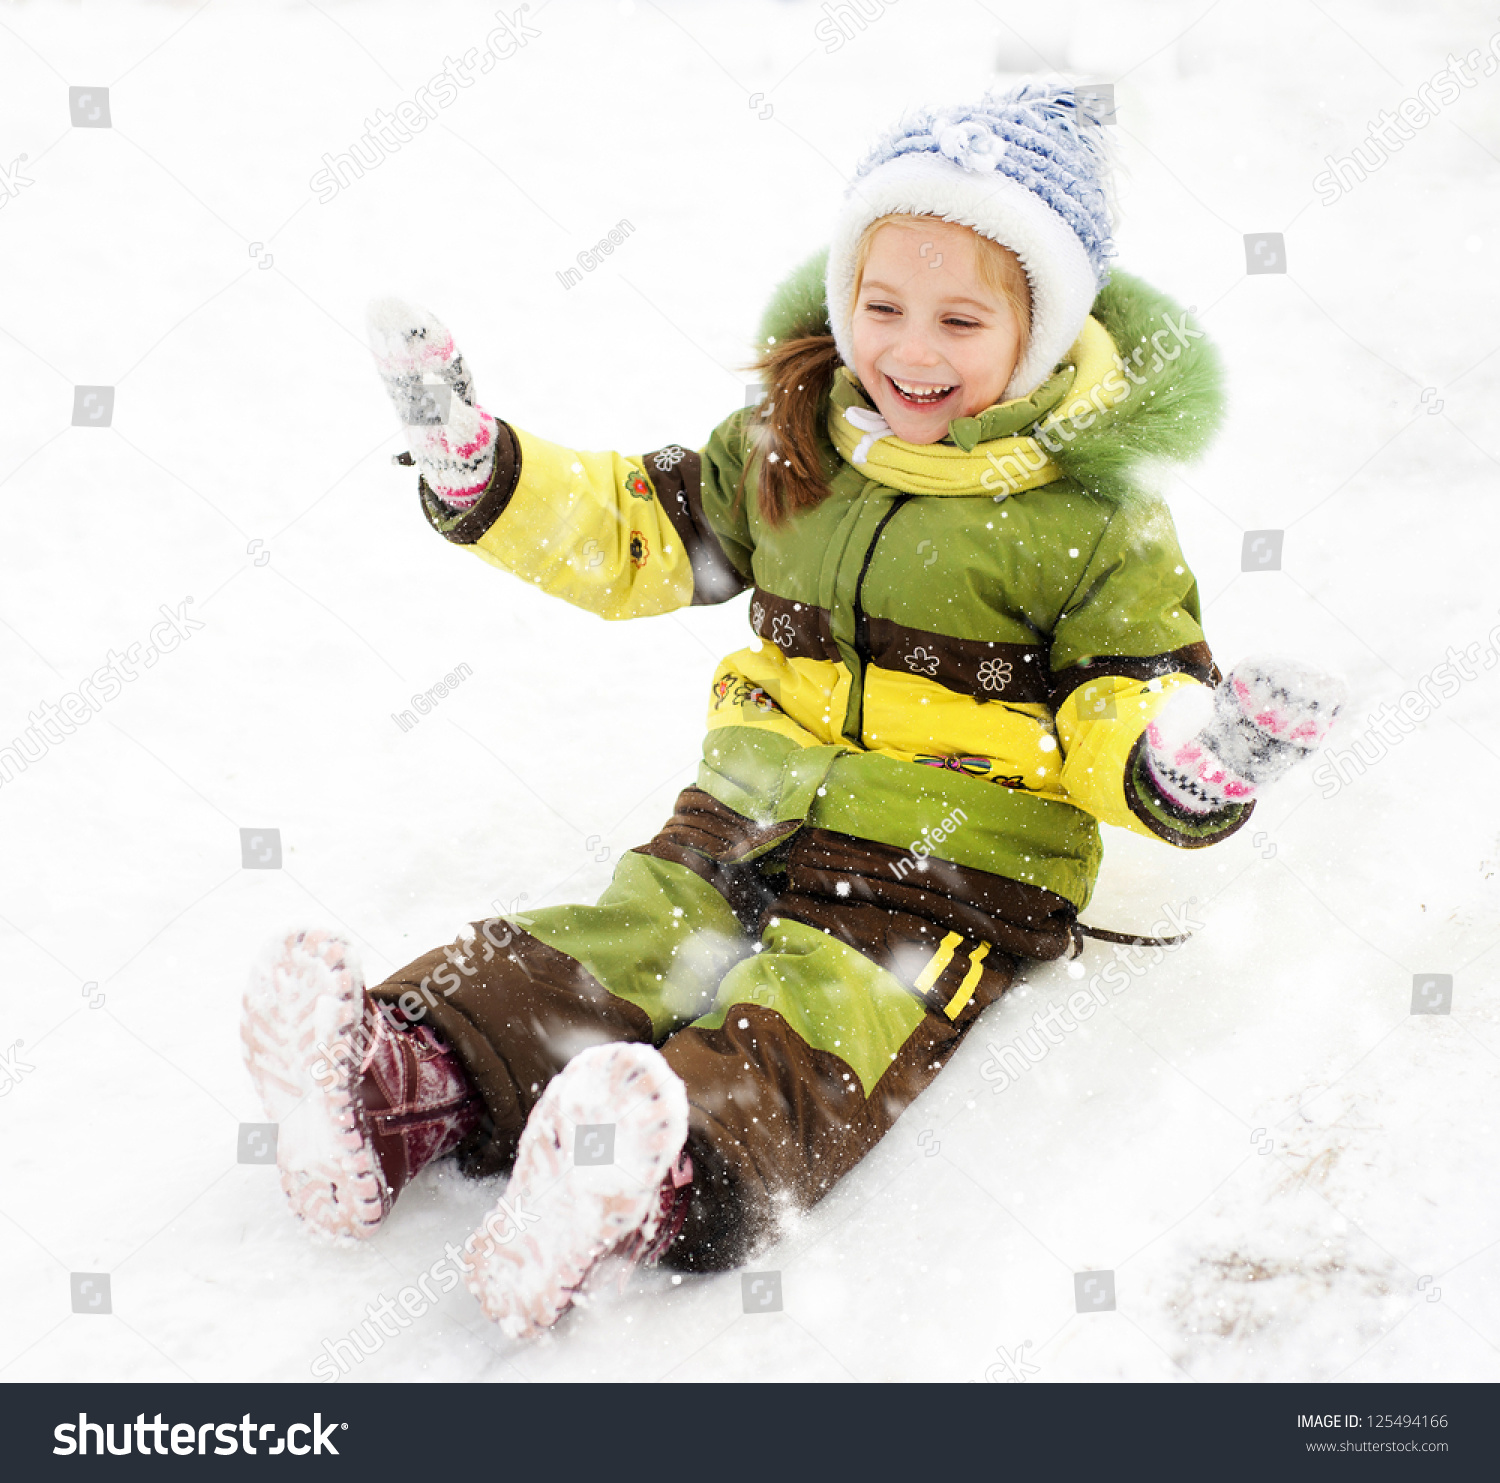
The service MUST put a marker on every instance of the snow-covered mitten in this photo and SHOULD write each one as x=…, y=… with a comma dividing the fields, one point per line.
x=451, y=436
x=1268, y=714
x=620, y=1186
x=362, y=1104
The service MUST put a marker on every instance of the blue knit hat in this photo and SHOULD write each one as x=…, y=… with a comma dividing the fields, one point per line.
x=1028, y=168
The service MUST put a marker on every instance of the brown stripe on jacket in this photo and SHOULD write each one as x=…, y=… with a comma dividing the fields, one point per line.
x=1192, y=659
x=801, y=630
x=980, y=668
x=677, y=475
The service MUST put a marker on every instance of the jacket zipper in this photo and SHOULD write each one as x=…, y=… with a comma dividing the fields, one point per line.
x=861, y=621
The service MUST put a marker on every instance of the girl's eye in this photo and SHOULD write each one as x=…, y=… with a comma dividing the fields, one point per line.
x=889, y=309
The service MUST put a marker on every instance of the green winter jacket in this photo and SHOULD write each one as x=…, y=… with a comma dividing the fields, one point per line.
x=959, y=650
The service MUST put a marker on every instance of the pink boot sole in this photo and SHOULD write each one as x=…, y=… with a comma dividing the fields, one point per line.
x=558, y=1217
x=305, y=997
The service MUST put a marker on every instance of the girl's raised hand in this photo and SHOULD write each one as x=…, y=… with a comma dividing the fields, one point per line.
x=1268, y=715
x=451, y=437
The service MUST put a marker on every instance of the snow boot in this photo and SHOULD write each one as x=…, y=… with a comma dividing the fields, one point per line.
x=362, y=1102
x=600, y=1170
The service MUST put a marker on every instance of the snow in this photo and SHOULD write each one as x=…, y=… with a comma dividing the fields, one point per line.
x=1288, y=1173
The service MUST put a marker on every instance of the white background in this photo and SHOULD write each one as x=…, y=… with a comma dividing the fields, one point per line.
x=1290, y=1175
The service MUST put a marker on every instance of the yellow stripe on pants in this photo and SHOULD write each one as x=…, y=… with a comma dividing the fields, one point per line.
x=940, y=960
x=971, y=980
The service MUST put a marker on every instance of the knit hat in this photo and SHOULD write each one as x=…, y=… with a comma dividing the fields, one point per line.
x=1028, y=168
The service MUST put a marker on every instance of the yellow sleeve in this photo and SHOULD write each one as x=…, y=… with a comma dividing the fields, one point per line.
x=623, y=537
x=588, y=528
x=1101, y=728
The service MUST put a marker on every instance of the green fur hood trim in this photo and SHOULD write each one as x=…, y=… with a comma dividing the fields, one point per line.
x=1175, y=377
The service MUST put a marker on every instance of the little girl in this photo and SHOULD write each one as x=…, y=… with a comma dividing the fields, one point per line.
x=976, y=639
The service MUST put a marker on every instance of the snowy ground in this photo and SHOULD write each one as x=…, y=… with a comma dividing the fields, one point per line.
x=1289, y=1174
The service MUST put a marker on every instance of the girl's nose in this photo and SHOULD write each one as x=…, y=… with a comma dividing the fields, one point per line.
x=915, y=349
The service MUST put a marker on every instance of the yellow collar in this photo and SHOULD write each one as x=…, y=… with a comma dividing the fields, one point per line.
x=999, y=467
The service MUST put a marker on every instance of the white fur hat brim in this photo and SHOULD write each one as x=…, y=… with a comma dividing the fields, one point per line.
x=1063, y=284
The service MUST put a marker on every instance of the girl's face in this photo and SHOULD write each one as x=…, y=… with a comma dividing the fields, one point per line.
x=931, y=342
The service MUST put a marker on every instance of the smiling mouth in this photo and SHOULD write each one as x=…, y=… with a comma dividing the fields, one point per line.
x=916, y=395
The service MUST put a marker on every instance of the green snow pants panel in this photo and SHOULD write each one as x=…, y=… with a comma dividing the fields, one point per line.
x=805, y=993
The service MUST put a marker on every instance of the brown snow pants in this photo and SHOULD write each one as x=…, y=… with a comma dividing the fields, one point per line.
x=805, y=985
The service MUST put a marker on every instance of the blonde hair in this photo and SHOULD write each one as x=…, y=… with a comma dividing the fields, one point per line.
x=798, y=375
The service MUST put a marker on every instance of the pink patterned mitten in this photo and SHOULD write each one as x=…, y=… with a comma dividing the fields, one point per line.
x=1267, y=715
x=452, y=438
